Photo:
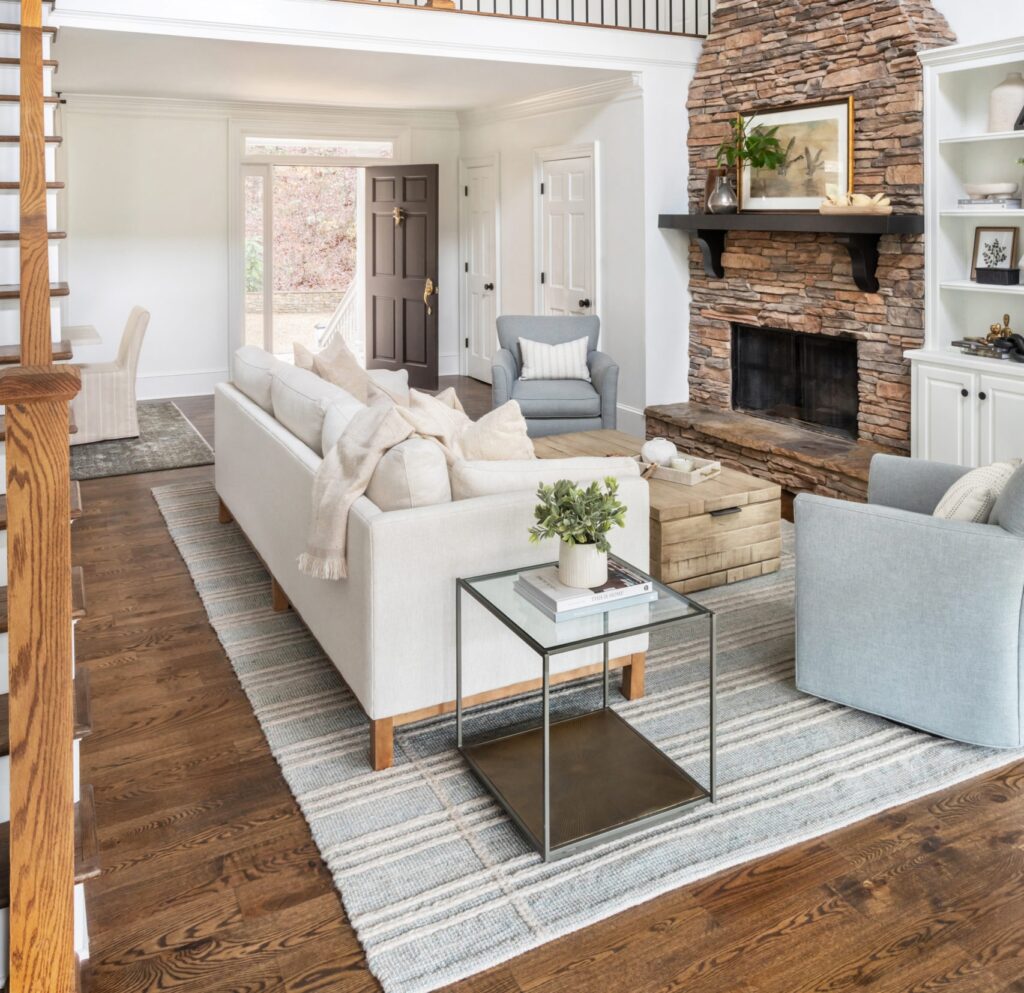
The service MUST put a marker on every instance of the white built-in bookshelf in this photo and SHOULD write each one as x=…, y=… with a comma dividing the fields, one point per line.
x=965, y=409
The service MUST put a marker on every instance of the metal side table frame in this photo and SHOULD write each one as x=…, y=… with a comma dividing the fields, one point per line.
x=539, y=834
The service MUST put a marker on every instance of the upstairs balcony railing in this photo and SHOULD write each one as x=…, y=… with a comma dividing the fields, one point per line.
x=678, y=17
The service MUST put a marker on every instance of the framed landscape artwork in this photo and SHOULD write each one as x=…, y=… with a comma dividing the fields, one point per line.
x=994, y=248
x=818, y=143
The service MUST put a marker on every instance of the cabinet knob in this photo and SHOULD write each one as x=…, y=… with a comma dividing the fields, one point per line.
x=982, y=396
x=964, y=393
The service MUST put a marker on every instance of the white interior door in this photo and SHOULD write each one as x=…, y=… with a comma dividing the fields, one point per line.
x=568, y=234
x=480, y=266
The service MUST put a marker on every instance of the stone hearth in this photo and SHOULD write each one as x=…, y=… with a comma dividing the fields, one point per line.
x=765, y=54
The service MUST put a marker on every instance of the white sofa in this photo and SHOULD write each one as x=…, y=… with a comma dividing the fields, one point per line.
x=390, y=627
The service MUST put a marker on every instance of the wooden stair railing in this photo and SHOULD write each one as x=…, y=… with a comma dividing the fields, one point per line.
x=41, y=697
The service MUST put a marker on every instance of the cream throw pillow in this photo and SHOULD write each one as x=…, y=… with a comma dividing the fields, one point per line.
x=337, y=364
x=392, y=385
x=972, y=496
x=501, y=434
x=565, y=361
x=304, y=357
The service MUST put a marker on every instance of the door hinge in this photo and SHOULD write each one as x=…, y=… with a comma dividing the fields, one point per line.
x=542, y=189
x=542, y=277
x=466, y=264
x=467, y=343
x=465, y=191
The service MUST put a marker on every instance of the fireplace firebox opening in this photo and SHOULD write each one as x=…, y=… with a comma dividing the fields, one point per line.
x=809, y=379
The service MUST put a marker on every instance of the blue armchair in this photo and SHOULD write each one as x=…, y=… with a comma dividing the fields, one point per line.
x=555, y=406
x=911, y=617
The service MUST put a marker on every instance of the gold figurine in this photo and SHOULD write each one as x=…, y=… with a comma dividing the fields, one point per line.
x=999, y=331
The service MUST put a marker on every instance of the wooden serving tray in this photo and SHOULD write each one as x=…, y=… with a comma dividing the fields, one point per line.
x=704, y=469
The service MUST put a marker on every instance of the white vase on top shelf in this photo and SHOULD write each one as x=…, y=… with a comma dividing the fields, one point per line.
x=1006, y=103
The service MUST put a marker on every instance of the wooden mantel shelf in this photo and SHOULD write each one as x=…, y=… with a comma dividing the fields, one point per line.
x=858, y=233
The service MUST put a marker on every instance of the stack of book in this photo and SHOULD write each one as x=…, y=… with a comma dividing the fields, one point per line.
x=559, y=602
x=989, y=203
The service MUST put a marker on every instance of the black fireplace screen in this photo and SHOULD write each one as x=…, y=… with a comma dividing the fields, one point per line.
x=810, y=378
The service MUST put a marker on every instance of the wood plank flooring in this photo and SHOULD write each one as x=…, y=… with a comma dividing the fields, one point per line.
x=212, y=882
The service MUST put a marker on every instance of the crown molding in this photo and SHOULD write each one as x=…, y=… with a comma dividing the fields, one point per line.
x=953, y=54
x=607, y=91
x=133, y=106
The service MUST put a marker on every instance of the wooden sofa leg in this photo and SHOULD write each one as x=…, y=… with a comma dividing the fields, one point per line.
x=633, y=676
x=223, y=514
x=382, y=743
x=278, y=596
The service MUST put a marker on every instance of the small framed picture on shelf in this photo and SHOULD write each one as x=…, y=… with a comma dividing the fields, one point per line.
x=995, y=255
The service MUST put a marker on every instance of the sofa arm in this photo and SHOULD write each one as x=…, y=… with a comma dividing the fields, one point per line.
x=503, y=375
x=910, y=484
x=911, y=617
x=604, y=374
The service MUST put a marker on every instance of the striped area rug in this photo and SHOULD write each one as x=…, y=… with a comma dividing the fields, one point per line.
x=435, y=880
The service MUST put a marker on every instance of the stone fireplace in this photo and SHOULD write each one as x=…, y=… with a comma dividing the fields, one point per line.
x=766, y=54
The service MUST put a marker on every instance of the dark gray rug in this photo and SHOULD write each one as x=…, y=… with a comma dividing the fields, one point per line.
x=167, y=440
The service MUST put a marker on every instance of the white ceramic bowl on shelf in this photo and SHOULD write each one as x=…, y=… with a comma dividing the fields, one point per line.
x=991, y=189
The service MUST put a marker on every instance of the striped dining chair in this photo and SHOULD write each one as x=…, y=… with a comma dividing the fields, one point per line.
x=105, y=408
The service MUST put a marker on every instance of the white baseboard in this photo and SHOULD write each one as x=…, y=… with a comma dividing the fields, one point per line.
x=632, y=421
x=448, y=364
x=180, y=384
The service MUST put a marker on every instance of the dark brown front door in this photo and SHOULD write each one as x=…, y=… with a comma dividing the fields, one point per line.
x=401, y=271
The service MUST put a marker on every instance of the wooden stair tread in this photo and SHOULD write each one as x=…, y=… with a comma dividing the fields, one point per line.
x=83, y=713
x=9, y=61
x=77, y=598
x=15, y=139
x=15, y=235
x=12, y=291
x=15, y=98
x=76, y=504
x=11, y=187
x=87, y=848
x=60, y=352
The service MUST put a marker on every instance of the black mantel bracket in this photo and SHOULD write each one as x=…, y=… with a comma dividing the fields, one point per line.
x=858, y=233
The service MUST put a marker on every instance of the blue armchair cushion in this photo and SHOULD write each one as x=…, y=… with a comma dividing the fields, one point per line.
x=556, y=398
x=1008, y=512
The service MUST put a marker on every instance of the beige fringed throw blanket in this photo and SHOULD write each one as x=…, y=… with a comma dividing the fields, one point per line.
x=347, y=469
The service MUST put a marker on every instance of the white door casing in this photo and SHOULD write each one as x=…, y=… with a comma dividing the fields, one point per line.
x=567, y=228
x=945, y=415
x=1001, y=417
x=478, y=235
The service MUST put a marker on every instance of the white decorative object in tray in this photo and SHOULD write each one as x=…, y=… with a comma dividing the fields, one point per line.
x=702, y=471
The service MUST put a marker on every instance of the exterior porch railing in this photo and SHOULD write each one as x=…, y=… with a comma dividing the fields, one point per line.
x=679, y=17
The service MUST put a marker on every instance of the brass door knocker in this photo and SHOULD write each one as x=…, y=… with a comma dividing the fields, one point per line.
x=399, y=215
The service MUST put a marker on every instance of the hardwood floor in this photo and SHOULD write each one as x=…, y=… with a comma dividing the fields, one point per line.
x=212, y=882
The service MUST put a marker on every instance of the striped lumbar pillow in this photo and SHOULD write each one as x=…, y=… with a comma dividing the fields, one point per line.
x=565, y=361
x=972, y=497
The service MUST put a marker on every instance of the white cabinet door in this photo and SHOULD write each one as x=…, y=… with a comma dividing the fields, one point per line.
x=945, y=415
x=1001, y=411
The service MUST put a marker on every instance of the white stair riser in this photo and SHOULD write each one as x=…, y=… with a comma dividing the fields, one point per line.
x=10, y=45
x=10, y=322
x=10, y=118
x=10, y=211
x=10, y=162
x=10, y=264
x=10, y=80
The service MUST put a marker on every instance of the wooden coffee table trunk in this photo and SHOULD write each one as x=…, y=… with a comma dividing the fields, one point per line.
x=717, y=532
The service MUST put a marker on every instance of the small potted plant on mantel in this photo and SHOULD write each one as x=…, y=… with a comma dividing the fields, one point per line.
x=759, y=148
x=581, y=519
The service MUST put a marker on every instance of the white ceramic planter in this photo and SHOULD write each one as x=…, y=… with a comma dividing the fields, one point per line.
x=1006, y=103
x=582, y=566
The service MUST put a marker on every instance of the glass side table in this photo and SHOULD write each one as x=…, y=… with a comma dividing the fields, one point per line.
x=584, y=780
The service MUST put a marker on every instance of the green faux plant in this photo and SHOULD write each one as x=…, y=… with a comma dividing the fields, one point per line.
x=576, y=515
x=759, y=148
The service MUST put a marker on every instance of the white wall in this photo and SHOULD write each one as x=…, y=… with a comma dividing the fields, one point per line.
x=983, y=20
x=148, y=223
x=615, y=125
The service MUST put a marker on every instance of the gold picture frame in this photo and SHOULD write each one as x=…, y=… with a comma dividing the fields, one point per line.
x=826, y=170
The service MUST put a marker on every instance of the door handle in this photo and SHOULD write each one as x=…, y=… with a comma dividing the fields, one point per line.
x=725, y=512
x=964, y=393
x=982, y=396
x=585, y=304
x=488, y=286
x=429, y=289
x=399, y=215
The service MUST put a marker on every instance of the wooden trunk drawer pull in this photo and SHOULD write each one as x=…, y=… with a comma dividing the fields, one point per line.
x=725, y=511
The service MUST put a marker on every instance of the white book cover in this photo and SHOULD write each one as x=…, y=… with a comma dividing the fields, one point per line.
x=622, y=583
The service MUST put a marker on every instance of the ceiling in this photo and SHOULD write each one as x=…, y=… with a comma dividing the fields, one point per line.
x=121, y=64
